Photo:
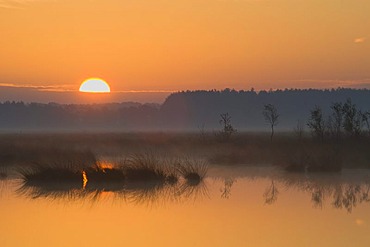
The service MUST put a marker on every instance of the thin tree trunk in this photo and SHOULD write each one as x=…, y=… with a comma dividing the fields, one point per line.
x=272, y=131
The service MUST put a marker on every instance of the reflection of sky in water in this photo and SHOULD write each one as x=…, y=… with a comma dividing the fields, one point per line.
x=341, y=191
x=258, y=207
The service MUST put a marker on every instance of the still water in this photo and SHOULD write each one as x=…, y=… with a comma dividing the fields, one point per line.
x=233, y=207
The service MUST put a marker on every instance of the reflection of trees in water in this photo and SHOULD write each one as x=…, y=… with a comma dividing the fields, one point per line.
x=3, y=174
x=342, y=195
x=3, y=179
x=2, y=186
x=271, y=193
x=317, y=197
x=349, y=196
x=337, y=191
x=134, y=193
x=226, y=189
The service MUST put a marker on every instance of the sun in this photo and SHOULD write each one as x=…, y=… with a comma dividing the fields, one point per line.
x=94, y=85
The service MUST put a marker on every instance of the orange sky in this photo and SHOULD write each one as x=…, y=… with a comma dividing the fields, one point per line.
x=185, y=44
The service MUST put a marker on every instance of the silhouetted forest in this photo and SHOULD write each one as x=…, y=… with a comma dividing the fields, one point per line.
x=186, y=110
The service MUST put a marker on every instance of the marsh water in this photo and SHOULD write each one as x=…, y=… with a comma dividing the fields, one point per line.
x=233, y=206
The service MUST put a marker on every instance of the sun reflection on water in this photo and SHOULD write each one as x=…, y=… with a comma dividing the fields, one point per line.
x=84, y=179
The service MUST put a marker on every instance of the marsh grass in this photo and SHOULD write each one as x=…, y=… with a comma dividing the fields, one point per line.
x=249, y=148
x=147, y=167
x=192, y=170
x=141, y=179
x=65, y=167
x=138, y=168
x=50, y=174
x=144, y=178
x=170, y=168
x=97, y=174
x=321, y=157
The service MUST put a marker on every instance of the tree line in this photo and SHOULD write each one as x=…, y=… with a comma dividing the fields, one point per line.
x=194, y=110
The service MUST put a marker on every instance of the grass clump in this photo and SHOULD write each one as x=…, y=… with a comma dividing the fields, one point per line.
x=65, y=166
x=101, y=174
x=193, y=171
x=50, y=174
x=139, y=177
x=142, y=178
x=144, y=168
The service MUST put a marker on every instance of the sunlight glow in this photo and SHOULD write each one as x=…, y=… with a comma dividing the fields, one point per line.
x=105, y=166
x=94, y=85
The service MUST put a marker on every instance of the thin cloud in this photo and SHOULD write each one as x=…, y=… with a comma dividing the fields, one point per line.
x=6, y=6
x=59, y=88
x=17, y=4
x=9, y=4
x=72, y=88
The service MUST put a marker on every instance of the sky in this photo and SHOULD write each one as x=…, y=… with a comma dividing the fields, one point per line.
x=159, y=46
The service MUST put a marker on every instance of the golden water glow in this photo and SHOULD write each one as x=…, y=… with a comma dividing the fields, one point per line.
x=84, y=179
x=94, y=85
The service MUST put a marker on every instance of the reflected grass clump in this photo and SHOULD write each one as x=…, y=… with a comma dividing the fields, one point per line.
x=65, y=190
x=3, y=172
x=145, y=193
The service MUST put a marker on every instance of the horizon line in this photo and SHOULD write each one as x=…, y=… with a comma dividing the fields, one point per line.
x=67, y=88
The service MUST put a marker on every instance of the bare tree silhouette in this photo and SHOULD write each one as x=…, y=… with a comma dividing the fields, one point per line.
x=353, y=119
x=317, y=123
x=271, y=116
x=227, y=128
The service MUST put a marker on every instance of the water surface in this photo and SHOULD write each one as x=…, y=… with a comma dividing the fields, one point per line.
x=232, y=207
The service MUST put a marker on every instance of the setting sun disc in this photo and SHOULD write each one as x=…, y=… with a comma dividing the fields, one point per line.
x=94, y=85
